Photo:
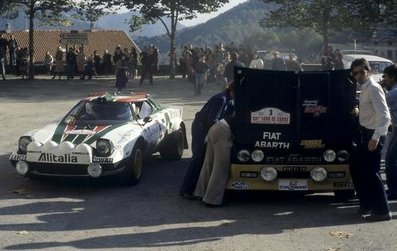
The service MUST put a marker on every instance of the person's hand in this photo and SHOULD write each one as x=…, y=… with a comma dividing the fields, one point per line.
x=355, y=111
x=372, y=145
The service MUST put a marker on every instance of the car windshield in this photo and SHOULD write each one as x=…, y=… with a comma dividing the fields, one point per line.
x=378, y=66
x=111, y=112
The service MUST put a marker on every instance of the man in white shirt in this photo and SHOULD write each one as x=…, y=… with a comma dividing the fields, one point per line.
x=374, y=120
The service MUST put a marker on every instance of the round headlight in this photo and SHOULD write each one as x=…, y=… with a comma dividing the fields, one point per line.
x=243, y=155
x=268, y=173
x=343, y=155
x=23, y=143
x=318, y=173
x=22, y=167
x=329, y=155
x=104, y=147
x=257, y=155
x=94, y=170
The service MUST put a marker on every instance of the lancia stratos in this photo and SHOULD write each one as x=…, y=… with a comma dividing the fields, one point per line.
x=103, y=134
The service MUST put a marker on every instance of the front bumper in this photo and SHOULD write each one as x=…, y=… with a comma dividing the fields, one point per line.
x=289, y=178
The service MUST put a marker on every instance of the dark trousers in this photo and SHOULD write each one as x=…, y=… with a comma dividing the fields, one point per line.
x=365, y=173
x=196, y=162
x=3, y=68
x=147, y=71
x=391, y=163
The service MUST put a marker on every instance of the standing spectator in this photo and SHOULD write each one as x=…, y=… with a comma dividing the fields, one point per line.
x=90, y=67
x=132, y=63
x=156, y=54
x=148, y=61
x=71, y=63
x=3, y=55
x=390, y=79
x=24, y=66
x=292, y=63
x=118, y=58
x=200, y=70
x=107, y=62
x=18, y=59
x=48, y=62
x=256, y=62
x=338, y=64
x=12, y=47
x=97, y=62
x=277, y=62
x=216, y=108
x=215, y=171
x=374, y=119
x=81, y=58
x=228, y=74
x=59, y=57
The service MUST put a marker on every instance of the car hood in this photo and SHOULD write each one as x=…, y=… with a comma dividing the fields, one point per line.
x=77, y=134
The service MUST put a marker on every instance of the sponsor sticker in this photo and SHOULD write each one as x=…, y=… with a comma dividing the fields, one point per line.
x=240, y=185
x=294, y=169
x=312, y=143
x=270, y=115
x=15, y=156
x=292, y=185
x=312, y=107
x=104, y=160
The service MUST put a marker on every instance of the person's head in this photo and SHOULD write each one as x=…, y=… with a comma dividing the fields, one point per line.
x=361, y=70
x=234, y=56
x=276, y=54
x=202, y=58
x=291, y=56
x=390, y=75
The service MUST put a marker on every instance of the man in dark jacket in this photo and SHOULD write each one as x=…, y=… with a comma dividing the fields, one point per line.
x=228, y=74
x=216, y=108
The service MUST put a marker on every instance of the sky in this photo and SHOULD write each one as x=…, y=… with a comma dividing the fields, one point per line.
x=202, y=18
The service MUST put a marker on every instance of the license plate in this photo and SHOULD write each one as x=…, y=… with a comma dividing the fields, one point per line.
x=292, y=185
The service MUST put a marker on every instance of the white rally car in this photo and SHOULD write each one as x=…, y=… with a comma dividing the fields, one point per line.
x=103, y=134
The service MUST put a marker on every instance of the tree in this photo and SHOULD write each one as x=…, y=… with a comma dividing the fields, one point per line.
x=49, y=11
x=175, y=10
x=326, y=16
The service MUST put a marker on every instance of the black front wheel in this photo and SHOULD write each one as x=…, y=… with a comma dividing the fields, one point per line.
x=173, y=145
x=133, y=171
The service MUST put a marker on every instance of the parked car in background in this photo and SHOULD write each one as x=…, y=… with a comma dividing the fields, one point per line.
x=104, y=134
x=378, y=64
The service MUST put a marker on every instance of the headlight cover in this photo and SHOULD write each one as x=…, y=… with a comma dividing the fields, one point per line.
x=318, y=174
x=257, y=155
x=329, y=155
x=343, y=155
x=23, y=143
x=104, y=147
x=243, y=155
x=268, y=173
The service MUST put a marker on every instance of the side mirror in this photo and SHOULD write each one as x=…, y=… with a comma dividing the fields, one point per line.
x=147, y=119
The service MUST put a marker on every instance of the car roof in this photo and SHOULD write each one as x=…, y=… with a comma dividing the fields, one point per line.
x=119, y=97
x=367, y=57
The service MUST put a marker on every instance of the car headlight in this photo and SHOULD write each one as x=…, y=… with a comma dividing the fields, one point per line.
x=343, y=155
x=243, y=155
x=257, y=155
x=23, y=143
x=318, y=173
x=329, y=155
x=104, y=147
x=268, y=173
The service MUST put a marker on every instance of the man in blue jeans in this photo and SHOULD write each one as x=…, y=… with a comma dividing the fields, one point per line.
x=374, y=121
x=216, y=108
x=390, y=79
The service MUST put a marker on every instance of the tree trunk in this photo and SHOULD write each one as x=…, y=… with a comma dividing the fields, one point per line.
x=31, y=42
x=172, y=55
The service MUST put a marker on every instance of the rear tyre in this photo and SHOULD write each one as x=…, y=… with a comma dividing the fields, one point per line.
x=133, y=171
x=172, y=148
x=344, y=195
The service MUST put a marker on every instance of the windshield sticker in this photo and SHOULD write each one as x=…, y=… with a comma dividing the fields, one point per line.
x=270, y=115
x=312, y=107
